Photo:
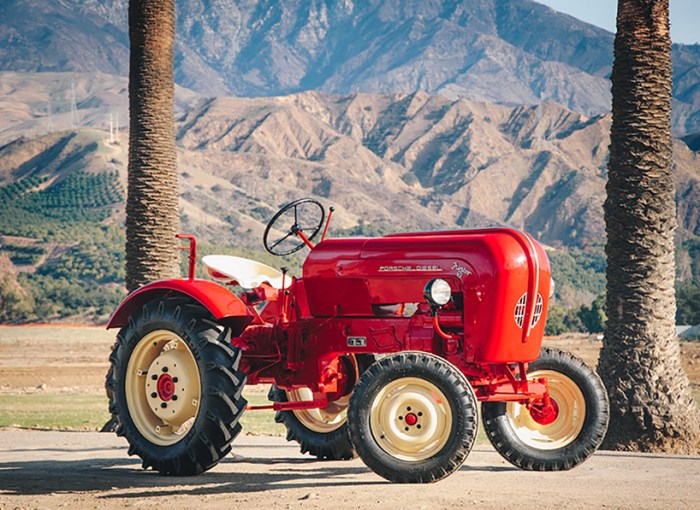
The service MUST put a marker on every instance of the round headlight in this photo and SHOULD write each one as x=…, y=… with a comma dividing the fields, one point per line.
x=437, y=292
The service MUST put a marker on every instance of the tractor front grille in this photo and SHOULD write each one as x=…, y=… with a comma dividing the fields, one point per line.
x=520, y=310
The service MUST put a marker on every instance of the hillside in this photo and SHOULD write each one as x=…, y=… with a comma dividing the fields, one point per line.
x=510, y=52
x=418, y=161
x=386, y=161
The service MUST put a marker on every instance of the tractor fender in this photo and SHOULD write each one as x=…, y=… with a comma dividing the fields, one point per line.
x=223, y=304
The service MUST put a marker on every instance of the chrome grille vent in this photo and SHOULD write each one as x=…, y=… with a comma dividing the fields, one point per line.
x=520, y=310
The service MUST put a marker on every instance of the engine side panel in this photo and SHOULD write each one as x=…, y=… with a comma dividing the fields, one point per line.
x=493, y=274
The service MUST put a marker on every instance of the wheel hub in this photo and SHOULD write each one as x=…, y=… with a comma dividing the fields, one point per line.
x=554, y=425
x=545, y=414
x=170, y=397
x=411, y=419
x=166, y=387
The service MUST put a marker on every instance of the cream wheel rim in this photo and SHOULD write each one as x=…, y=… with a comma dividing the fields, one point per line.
x=565, y=428
x=162, y=387
x=322, y=421
x=411, y=419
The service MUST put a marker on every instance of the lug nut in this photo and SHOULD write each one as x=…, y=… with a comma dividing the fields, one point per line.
x=154, y=377
x=165, y=369
x=174, y=397
x=154, y=395
x=164, y=405
x=174, y=379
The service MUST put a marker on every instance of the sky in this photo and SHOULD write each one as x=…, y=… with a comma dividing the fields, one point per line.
x=685, y=16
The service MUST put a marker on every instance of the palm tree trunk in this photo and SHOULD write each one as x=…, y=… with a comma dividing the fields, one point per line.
x=152, y=216
x=651, y=405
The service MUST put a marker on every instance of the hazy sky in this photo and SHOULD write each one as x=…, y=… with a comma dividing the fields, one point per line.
x=685, y=15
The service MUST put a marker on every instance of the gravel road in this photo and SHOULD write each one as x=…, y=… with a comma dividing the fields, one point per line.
x=49, y=470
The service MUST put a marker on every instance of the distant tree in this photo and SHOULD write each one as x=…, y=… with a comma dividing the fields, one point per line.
x=651, y=405
x=563, y=320
x=688, y=297
x=152, y=200
x=16, y=304
x=593, y=317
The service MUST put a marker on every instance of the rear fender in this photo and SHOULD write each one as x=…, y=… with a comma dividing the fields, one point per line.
x=223, y=304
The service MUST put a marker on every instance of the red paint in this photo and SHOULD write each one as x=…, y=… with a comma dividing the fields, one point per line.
x=545, y=414
x=221, y=302
x=166, y=387
x=192, y=257
x=352, y=297
x=411, y=419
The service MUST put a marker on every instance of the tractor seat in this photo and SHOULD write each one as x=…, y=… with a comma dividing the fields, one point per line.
x=245, y=272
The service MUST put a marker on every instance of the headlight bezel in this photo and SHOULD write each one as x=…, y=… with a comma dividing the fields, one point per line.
x=437, y=292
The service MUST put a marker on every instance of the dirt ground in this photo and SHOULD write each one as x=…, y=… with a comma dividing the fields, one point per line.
x=40, y=469
x=92, y=470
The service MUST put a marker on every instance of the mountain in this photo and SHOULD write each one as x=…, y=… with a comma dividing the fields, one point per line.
x=387, y=162
x=414, y=161
x=509, y=52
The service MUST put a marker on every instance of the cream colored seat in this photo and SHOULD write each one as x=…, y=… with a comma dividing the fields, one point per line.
x=247, y=273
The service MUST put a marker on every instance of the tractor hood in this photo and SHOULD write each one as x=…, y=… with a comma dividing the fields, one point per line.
x=488, y=270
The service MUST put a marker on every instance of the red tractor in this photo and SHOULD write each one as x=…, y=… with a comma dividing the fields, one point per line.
x=382, y=347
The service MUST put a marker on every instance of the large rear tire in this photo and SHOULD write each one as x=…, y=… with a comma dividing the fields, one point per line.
x=412, y=418
x=175, y=387
x=558, y=442
x=320, y=432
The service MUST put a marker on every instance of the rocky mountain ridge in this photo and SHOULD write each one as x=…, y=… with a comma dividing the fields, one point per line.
x=508, y=52
x=387, y=162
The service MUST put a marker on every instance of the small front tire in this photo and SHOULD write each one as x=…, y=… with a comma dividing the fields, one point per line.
x=412, y=418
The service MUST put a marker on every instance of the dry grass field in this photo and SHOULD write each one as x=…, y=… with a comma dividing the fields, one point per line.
x=52, y=377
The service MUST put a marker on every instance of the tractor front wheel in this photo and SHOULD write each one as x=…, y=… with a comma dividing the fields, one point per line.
x=412, y=418
x=570, y=430
x=175, y=387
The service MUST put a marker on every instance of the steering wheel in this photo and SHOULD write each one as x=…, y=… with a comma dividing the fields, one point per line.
x=288, y=243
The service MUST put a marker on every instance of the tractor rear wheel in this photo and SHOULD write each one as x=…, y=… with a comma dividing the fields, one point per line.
x=319, y=432
x=552, y=442
x=412, y=418
x=322, y=433
x=175, y=387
